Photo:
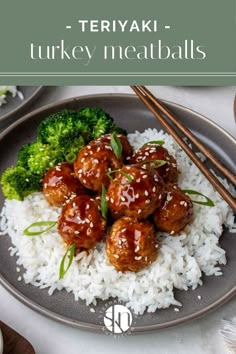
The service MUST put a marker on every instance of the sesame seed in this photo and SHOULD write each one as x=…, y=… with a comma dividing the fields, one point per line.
x=96, y=161
x=182, y=202
x=172, y=232
x=82, y=160
x=137, y=196
x=19, y=278
x=116, y=256
x=91, y=224
x=123, y=230
x=199, y=297
x=89, y=147
x=77, y=232
x=17, y=269
x=176, y=309
x=147, y=201
x=139, y=211
x=138, y=180
x=160, y=196
x=122, y=198
x=112, y=200
x=146, y=193
x=145, y=176
x=45, y=185
x=146, y=259
x=128, y=158
x=137, y=258
x=154, y=189
x=137, y=248
x=92, y=310
x=84, y=180
x=87, y=207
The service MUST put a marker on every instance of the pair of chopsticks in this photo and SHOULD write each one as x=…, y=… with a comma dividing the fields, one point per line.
x=162, y=113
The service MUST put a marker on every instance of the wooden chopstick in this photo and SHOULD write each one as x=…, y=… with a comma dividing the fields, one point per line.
x=202, y=167
x=223, y=169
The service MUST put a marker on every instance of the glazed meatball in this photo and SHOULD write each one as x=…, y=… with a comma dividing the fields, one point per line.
x=135, y=192
x=176, y=212
x=168, y=172
x=127, y=149
x=81, y=222
x=59, y=184
x=131, y=245
x=92, y=164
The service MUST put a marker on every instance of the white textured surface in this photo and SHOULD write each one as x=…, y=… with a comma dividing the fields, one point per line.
x=198, y=337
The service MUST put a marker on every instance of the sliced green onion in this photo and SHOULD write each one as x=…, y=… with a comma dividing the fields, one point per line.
x=159, y=162
x=70, y=157
x=156, y=142
x=127, y=176
x=39, y=224
x=208, y=201
x=63, y=270
x=116, y=145
x=104, y=204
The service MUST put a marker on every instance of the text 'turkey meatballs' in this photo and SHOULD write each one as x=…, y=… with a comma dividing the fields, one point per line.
x=131, y=245
x=81, y=222
x=59, y=184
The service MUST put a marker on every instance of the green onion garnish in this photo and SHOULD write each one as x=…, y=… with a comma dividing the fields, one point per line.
x=104, y=204
x=70, y=157
x=127, y=176
x=116, y=145
x=39, y=224
x=208, y=201
x=159, y=162
x=157, y=142
x=63, y=270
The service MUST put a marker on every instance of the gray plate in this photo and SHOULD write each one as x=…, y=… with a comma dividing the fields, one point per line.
x=15, y=107
x=129, y=113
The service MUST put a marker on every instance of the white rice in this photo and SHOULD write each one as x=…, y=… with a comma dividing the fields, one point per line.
x=9, y=89
x=180, y=264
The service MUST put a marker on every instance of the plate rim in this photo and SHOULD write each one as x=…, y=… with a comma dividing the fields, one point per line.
x=96, y=327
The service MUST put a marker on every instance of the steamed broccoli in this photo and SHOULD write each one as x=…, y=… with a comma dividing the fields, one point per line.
x=18, y=183
x=60, y=124
x=71, y=144
x=42, y=157
x=60, y=138
x=99, y=121
x=23, y=156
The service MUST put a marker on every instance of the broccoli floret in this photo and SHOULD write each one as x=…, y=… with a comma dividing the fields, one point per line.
x=71, y=143
x=23, y=156
x=100, y=122
x=55, y=126
x=41, y=157
x=18, y=183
